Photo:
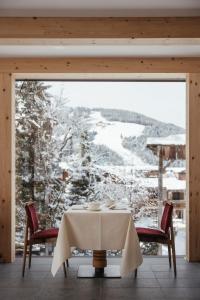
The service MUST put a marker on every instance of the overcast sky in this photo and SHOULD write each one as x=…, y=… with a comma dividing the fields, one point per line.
x=164, y=101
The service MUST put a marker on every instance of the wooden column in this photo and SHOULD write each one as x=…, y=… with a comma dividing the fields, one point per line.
x=193, y=167
x=160, y=175
x=7, y=193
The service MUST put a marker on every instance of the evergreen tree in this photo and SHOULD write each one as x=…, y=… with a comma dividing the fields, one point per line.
x=43, y=138
x=81, y=187
x=32, y=131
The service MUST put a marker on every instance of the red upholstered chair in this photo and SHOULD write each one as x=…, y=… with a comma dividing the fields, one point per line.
x=35, y=235
x=164, y=235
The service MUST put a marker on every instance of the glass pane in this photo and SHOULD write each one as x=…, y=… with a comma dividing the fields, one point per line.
x=117, y=143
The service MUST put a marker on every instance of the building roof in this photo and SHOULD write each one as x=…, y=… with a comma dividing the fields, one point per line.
x=171, y=140
x=171, y=147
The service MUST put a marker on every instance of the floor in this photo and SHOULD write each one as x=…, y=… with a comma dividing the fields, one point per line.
x=154, y=281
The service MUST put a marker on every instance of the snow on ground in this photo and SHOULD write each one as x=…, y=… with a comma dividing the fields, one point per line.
x=170, y=183
x=128, y=172
x=129, y=169
x=111, y=134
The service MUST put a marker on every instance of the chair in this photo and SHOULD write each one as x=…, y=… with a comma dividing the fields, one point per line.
x=35, y=235
x=164, y=235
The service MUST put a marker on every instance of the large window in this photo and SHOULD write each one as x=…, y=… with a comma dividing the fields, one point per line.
x=80, y=141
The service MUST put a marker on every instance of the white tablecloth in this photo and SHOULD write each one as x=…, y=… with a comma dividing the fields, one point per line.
x=102, y=230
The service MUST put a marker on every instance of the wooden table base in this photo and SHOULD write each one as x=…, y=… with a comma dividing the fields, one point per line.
x=100, y=268
x=99, y=259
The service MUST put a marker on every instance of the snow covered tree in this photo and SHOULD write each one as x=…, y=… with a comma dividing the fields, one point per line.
x=33, y=129
x=39, y=149
x=84, y=174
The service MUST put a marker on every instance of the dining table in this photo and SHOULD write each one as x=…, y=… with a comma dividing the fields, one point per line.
x=99, y=230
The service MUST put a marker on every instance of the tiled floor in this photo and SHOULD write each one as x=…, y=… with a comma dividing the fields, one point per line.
x=154, y=281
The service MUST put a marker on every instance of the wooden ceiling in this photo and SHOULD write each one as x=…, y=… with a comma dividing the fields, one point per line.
x=111, y=8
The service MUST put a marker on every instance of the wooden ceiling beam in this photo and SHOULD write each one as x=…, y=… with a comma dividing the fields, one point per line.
x=96, y=28
x=100, y=65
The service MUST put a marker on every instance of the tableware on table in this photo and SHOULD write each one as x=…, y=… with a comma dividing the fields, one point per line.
x=94, y=206
x=92, y=209
x=78, y=207
x=118, y=207
x=109, y=202
x=112, y=206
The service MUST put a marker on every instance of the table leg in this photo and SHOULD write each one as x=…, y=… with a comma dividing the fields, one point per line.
x=99, y=267
x=99, y=261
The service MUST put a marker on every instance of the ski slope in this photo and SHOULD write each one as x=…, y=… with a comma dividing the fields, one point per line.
x=111, y=134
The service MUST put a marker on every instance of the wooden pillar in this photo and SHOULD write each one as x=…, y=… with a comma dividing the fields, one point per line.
x=160, y=187
x=7, y=169
x=160, y=174
x=193, y=167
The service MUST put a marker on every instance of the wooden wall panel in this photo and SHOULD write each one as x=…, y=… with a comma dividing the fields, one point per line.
x=193, y=167
x=7, y=195
x=95, y=28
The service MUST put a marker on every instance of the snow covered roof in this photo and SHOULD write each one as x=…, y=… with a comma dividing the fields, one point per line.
x=63, y=165
x=170, y=183
x=171, y=140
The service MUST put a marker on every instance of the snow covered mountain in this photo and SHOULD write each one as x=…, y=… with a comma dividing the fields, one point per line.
x=111, y=135
x=119, y=136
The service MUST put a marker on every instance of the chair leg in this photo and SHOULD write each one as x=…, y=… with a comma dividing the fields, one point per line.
x=173, y=249
x=64, y=269
x=169, y=255
x=30, y=255
x=24, y=258
x=135, y=273
x=25, y=250
x=67, y=262
x=174, y=258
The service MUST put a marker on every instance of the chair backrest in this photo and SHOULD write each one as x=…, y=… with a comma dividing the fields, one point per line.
x=32, y=217
x=166, y=217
